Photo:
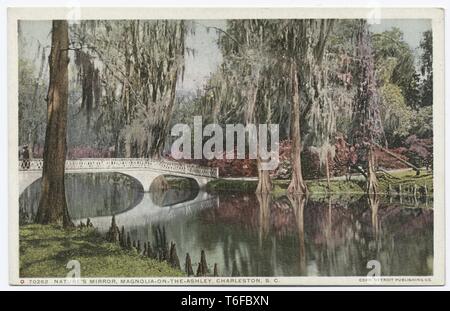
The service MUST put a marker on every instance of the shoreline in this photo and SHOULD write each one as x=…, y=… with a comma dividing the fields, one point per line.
x=399, y=182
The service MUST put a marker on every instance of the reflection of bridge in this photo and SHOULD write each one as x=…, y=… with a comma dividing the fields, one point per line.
x=142, y=169
x=147, y=212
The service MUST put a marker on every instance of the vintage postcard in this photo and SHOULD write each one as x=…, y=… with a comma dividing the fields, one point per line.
x=256, y=147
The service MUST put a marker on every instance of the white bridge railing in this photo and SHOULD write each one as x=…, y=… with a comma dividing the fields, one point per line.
x=125, y=163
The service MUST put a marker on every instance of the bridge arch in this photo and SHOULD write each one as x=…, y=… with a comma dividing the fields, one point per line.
x=146, y=213
x=143, y=170
x=27, y=179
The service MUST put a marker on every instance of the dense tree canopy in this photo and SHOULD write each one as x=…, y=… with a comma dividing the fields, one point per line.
x=329, y=78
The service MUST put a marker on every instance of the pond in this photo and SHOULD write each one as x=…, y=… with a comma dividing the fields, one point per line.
x=249, y=235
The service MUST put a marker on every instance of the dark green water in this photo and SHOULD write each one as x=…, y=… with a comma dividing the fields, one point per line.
x=248, y=235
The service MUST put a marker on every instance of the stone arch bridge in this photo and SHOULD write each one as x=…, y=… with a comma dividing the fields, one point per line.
x=142, y=169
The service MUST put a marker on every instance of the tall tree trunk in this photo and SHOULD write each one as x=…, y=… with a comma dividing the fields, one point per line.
x=264, y=182
x=366, y=125
x=52, y=205
x=297, y=184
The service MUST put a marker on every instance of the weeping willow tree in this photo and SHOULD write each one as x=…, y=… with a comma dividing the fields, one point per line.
x=321, y=117
x=138, y=64
x=273, y=70
x=89, y=78
x=300, y=47
x=33, y=84
x=246, y=85
x=367, y=129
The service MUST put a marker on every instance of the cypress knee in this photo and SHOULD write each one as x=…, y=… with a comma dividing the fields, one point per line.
x=113, y=234
x=188, y=265
x=138, y=247
x=123, y=241
x=128, y=241
x=200, y=270
x=173, y=257
x=203, y=263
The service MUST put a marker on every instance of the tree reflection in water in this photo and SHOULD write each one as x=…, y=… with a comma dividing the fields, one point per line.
x=298, y=205
x=320, y=236
x=286, y=236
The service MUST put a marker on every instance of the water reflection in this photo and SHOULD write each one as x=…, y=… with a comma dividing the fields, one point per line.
x=297, y=203
x=173, y=196
x=257, y=235
x=264, y=203
x=88, y=195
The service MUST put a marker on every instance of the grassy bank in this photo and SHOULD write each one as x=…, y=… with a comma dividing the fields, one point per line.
x=406, y=178
x=46, y=250
x=227, y=185
x=181, y=183
x=280, y=186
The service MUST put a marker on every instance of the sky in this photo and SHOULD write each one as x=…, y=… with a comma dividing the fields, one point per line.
x=207, y=56
x=412, y=30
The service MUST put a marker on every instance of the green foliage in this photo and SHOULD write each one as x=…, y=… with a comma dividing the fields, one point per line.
x=136, y=64
x=338, y=186
x=427, y=68
x=318, y=187
x=400, y=119
x=391, y=45
x=45, y=251
x=400, y=87
x=406, y=178
x=181, y=183
x=32, y=104
x=280, y=186
x=139, y=65
x=422, y=122
x=227, y=185
x=396, y=115
x=254, y=82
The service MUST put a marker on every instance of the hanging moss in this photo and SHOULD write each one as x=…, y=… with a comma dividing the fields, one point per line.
x=367, y=126
x=89, y=79
x=142, y=61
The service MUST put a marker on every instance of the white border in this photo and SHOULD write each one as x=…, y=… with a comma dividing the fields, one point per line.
x=438, y=113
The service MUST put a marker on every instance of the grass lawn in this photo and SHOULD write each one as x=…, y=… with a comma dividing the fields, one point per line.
x=406, y=178
x=46, y=250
